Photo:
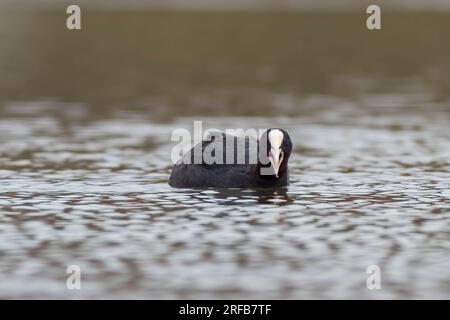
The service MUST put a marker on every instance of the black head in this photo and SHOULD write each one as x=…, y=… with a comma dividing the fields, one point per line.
x=276, y=148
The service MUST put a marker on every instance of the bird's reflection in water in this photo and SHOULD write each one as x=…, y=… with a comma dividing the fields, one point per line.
x=277, y=195
x=231, y=196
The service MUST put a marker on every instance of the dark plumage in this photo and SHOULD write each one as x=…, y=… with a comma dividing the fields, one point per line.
x=243, y=174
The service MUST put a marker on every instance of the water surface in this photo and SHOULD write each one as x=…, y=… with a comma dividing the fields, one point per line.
x=85, y=125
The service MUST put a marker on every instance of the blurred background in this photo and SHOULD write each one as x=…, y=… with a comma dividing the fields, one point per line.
x=85, y=124
x=229, y=62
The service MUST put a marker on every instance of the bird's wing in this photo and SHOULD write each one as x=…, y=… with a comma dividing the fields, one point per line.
x=220, y=148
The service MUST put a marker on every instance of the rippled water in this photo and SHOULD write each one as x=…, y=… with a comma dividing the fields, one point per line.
x=366, y=189
x=85, y=125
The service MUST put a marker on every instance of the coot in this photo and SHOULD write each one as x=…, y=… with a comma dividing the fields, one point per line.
x=227, y=161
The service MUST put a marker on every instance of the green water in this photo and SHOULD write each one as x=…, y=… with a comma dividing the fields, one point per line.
x=222, y=63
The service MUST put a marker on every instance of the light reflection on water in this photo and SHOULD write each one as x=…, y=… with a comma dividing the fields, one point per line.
x=85, y=125
x=368, y=187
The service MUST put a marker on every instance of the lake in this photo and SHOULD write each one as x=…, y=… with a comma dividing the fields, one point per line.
x=85, y=142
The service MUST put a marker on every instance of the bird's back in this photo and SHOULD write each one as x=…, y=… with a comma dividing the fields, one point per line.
x=234, y=167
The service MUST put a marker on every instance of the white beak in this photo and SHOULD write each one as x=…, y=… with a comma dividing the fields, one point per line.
x=276, y=154
x=276, y=157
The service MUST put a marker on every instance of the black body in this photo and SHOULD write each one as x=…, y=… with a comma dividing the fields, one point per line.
x=244, y=175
